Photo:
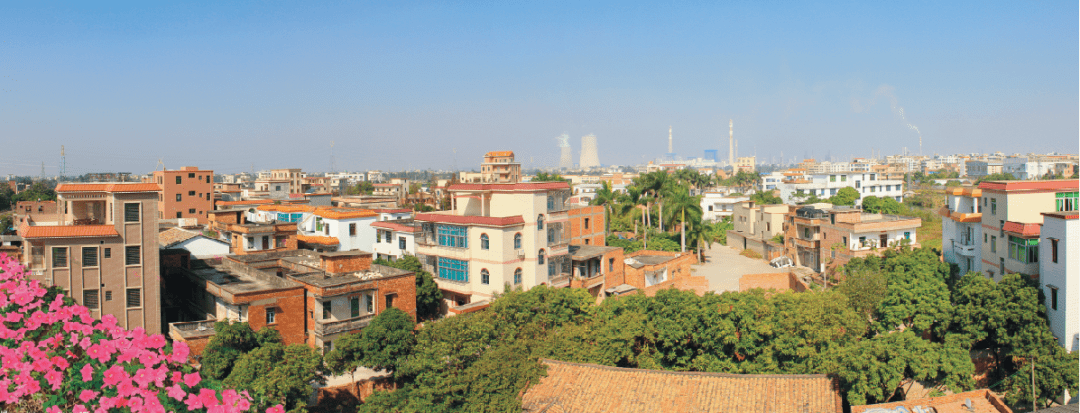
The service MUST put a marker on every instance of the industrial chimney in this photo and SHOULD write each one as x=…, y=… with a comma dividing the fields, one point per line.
x=589, y=156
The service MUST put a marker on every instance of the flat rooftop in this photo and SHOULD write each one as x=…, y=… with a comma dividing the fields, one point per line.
x=584, y=252
x=238, y=282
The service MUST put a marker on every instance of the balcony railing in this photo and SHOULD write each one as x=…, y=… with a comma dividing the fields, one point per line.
x=334, y=327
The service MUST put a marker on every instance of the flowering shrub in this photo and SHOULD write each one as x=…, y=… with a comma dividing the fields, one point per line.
x=53, y=354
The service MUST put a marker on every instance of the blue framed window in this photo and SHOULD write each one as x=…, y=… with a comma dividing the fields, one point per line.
x=540, y=257
x=517, y=241
x=484, y=242
x=485, y=277
x=453, y=236
x=539, y=222
x=517, y=276
x=453, y=270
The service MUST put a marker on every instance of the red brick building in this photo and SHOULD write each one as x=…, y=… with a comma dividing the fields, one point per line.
x=587, y=226
x=246, y=237
x=186, y=193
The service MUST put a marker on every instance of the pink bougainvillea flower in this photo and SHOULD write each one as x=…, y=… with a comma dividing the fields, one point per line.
x=176, y=392
x=276, y=409
x=191, y=379
x=52, y=409
x=87, y=395
x=87, y=372
x=54, y=378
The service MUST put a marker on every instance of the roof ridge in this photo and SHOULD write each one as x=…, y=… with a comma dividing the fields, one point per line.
x=690, y=373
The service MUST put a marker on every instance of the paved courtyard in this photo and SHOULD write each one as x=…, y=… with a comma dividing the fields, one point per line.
x=724, y=266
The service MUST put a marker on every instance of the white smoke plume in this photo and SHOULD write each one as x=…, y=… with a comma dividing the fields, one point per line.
x=886, y=91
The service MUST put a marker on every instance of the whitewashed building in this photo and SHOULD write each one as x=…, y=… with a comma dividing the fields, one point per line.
x=826, y=185
x=1059, y=256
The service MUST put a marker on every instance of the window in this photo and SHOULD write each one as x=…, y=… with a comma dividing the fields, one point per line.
x=191, y=174
x=1053, y=250
x=832, y=219
x=540, y=257
x=191, y=193
x=134, y=297
x=108, y=253
x=390, y=300
x=452, y=236
x=370, y=301
x=485, y=277
x=207, y=178
x=90, y=299
x=907, y=235
x=326, y=310
x=177, y=179
x=1067, y=201
x=984, y=238
x=352, y=229
x=271, y=316
x=108, y=295
x=89, y=257
x=132, y=255
x=539, y=222
x=179, y=214
x=453, y=270
x=1053, y=298
x=843, y=178
x=806, y=233
x=517, y=276
x=251, y=242
x=586, y=223
x=611, y=264
x=354, y=306
x=517, y=241
x=550, y=202
x=280, y=241
x=993, y=206
x=401, y=243
x=207, y=196
x=131, y=212
x=1024, y=250
x=59, y=257
x=191, y=210
x=484, y=242
x=993, y=243
x=832, y=178
x=178, y=197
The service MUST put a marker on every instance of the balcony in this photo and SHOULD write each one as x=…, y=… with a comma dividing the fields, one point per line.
x=965, y=250
x=807, y=243
x=323, y=329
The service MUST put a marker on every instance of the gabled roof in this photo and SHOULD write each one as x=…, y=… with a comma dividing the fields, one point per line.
x=573, y=387
x=344, y=213
x=116, y=187
x=70, y=231
x=174, y=235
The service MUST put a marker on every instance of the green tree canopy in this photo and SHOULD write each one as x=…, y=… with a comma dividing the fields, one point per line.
x=388, y=340
x=845, y=196
x=428, y=295
x=278, y=374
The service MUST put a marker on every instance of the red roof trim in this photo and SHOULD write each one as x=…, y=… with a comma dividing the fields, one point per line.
x=132, y=187
x=517, y=186
x=1030, y=185
x=1062, y=215
x=395, y=226
x=70, y=231
x=464, y=219
x=392, y=211
x=1026, y=230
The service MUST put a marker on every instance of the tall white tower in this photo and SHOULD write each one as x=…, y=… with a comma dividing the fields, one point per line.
x=589, y=156
x=669, y=140
x=731, y=143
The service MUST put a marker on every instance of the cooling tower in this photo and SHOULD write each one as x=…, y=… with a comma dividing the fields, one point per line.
x=566, y=156
x=589, y=156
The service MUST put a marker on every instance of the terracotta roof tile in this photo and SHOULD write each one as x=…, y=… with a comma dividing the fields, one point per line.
x=315, y=239
x=120, y=187
x=344, y=213
x=394, y=226
x=1024, y=229
x=572, y=387
x=500, y=153
x=174, y=235
x=1031, y=185
x=982, y=401
x=247, y=202
x=468, y=219
x=70, y=231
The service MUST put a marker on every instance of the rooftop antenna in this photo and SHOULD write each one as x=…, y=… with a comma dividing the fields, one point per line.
x=160, y=164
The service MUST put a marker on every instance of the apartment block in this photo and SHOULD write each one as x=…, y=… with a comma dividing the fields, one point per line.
x=1012, y=220
x=394, y=240
x=754, y=227
x=961, y=228
x=185, y=193
x=1058, y=268
x=101, y=246
x=716, y=206
x=309, y=297
x=826, y=185
x=819, y=236
x=587, y=226
x=500, y=167
x=495, y=235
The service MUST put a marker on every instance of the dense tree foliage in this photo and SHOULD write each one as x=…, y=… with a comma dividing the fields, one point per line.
x=884, y=205
x=546, y=177
x=845, y=196
x=765, y=198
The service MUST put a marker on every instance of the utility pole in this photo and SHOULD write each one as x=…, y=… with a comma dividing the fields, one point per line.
x=1033, y=397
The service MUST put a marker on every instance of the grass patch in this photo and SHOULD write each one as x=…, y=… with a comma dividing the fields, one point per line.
x=749, y=253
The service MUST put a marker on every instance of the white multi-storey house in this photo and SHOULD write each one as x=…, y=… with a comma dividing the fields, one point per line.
x=826, y=185
x=961, y=228
x=1057, y=270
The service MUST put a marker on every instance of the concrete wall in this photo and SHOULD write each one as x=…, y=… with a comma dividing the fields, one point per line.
x=1064, y=323
x=195, y=189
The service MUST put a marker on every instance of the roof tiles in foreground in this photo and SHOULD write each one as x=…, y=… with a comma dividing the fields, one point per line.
x=573, y=387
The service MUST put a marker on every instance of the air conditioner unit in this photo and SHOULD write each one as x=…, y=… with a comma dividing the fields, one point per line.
x=521, y=253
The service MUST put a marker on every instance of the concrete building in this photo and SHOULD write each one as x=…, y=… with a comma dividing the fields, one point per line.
x=820, y=236
x=185, y=193
x=196, y=244
x=823, y=186
x=248, y=237
x=294, y=176
x=716, y=206
x=1035, y=167
x=1058, y=270
x=1011, y=221
x=745, y=164
x=979, y=168
x=102, y=247
x=755, y=226
x=961, y=228
x=499, y=167
x=394, y=240
x=309, y=297
x=338, y=229
x=496, y=235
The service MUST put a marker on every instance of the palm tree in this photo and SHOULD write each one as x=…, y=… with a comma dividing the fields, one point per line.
x=605, y=197
x=681, y=204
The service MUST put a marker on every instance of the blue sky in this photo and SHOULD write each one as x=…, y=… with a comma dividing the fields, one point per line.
x=433, y=85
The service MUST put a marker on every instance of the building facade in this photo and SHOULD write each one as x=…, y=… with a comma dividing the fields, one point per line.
x=102, y=247
x=587, y=226
x=821, y=237
x=716, y=206
x=1012, y=219
x=1057, y=270
x=500, y=167
x=185, y=193
x=961, y=228
x=826, y=185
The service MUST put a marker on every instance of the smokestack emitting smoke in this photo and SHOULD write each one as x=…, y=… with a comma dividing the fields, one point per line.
x=731, y=143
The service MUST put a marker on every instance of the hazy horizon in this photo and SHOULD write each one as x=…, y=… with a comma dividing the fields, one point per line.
x=232, y=87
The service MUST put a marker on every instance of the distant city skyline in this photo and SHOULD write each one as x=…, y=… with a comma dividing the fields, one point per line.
x=231, y=87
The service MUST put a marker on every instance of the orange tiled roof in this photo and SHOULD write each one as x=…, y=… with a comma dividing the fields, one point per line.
x=500, y=153
x=248, y=202
x=121, y=187
x=982, y=401
x=344, y=213
x=1023, y=229
x=70, y=231
x=573, y=387
x=286, y=208
x=315, y=239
